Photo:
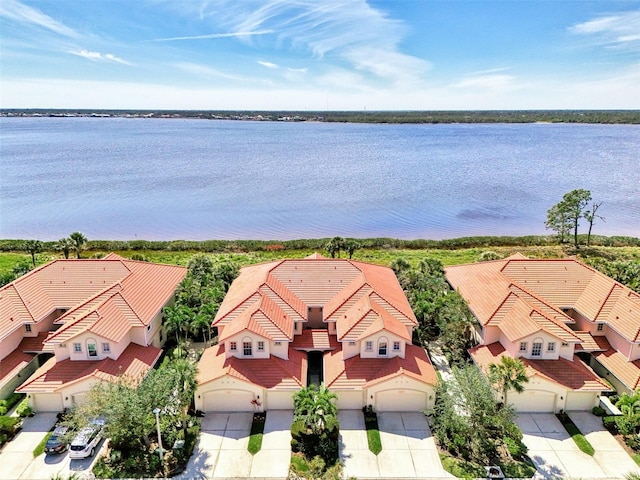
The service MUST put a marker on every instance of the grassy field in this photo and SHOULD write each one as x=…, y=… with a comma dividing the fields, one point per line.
x=381, y=256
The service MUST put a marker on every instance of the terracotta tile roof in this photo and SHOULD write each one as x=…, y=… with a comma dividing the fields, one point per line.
x=282, y=291
x=574, y=375
x=627, y=372
x=358, y=373
x=313, y=339
x=11, y=365
x=547, y=286
x=134, y=362
x=589, y=343
x=33, y=344
x=82, y=285
x=272, y=372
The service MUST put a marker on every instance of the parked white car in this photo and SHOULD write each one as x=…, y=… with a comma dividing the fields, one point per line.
x=85, y=442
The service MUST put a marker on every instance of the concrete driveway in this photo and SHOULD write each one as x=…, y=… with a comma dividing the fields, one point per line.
x=408, y=449
x=553, y=451
x=221, y=451
x=17, y=455
x=610, y=456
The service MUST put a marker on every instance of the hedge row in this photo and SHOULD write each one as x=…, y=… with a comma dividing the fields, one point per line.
x=319, y=243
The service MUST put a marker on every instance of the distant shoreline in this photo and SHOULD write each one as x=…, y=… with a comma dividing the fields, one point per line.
x=618, y=117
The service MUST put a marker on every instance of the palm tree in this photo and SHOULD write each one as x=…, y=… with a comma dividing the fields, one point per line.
x=629, y=404
x=350, y=246
x=509, y=374
x=334, y=246
x=33, y=247
x=64, y=245
x=79, y=241
x=315, y=407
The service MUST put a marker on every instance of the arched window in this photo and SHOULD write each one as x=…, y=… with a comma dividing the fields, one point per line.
x=92, y=348
x=382, y=347
x=536, y=347
x=247, y=349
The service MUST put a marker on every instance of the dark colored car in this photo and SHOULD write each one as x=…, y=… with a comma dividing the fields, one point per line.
x=57, y=442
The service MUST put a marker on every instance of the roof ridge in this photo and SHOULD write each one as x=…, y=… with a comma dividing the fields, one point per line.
x=128, y=304
x=604, y=302
x=360, y=318
x=265, y=298
x=22, y=301
x=544, y=302
x=283, y=288
x=73, y=322
x=499, y=307
x=239, y=304
x=360, y=284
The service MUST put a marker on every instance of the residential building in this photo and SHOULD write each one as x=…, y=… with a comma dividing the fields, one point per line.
x=286, y=324
x=76, y=322
x=563, y=319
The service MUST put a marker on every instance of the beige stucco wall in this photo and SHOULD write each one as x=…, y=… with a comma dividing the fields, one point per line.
x=491, y=335
x=376, y=338
x=545, y=338
x=85, y=338
x=398, y=383
x=11, y=342
x=225, y=383
x=246, y=336
x=620, y=343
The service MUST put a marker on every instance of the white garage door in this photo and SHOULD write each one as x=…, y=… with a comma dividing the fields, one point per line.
x=532, y=401
x=48, y=402
x=279, y=400
x=228, y=401
x=580, y=401
x=350, y=400
x=401, y=401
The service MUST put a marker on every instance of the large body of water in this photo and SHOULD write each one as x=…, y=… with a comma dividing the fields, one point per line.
x=196, y=179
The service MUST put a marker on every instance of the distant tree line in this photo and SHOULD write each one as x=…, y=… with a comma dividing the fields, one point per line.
x=415, y=116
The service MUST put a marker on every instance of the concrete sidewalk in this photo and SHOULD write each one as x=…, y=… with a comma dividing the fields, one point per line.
x=273, y=460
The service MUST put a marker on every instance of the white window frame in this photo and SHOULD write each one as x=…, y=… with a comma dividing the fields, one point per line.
x=600, y=327
x=247, y=346
x=106, y=347
x=551, y=347
x=352, y=344
x=536, y=349
x=92, y=353
x=277, y=344
x=383, y=348
x=260, y=346
x=396, y=346
x=233, y=346
x=368, y=346
x=27, y=327
x=524, y=346
x=77, y=348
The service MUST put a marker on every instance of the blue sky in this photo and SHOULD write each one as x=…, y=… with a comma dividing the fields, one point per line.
x=320, y=54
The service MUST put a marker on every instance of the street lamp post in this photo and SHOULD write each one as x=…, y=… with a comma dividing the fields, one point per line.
x=156, y=411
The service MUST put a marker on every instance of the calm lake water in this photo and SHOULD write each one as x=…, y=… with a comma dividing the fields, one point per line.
x=198, y=179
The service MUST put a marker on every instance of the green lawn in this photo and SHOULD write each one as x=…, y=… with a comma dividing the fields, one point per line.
x=373, y=433
x=257, y=429
x=582, y=443
x=39, y=450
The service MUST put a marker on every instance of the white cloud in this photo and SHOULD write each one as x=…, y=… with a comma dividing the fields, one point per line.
x=297, y=70
x=97, y=56
x=490, y=81
x=268, y=64
x=215, y=35
x=336, y=31
x=205, y=71
x=16, y=11
x=620, y=30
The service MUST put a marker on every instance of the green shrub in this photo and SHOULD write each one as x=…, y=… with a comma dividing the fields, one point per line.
x=609, y=423
x=516, y=448
x=3, y=410
x=518, y=469
x=598, y=411
x=24, y=410
x=633, y=441
x=3, y=438
x=11, y=400
x=9, y=425
x=627, y=424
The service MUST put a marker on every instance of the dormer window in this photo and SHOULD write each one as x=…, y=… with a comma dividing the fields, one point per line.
x=551, y=347
x=523, y=346
x=368, y=346
x=261, y=346
x=233, y=346
x=382, y=348
x=396, y=346
x=247, y=351
x=77, y=348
